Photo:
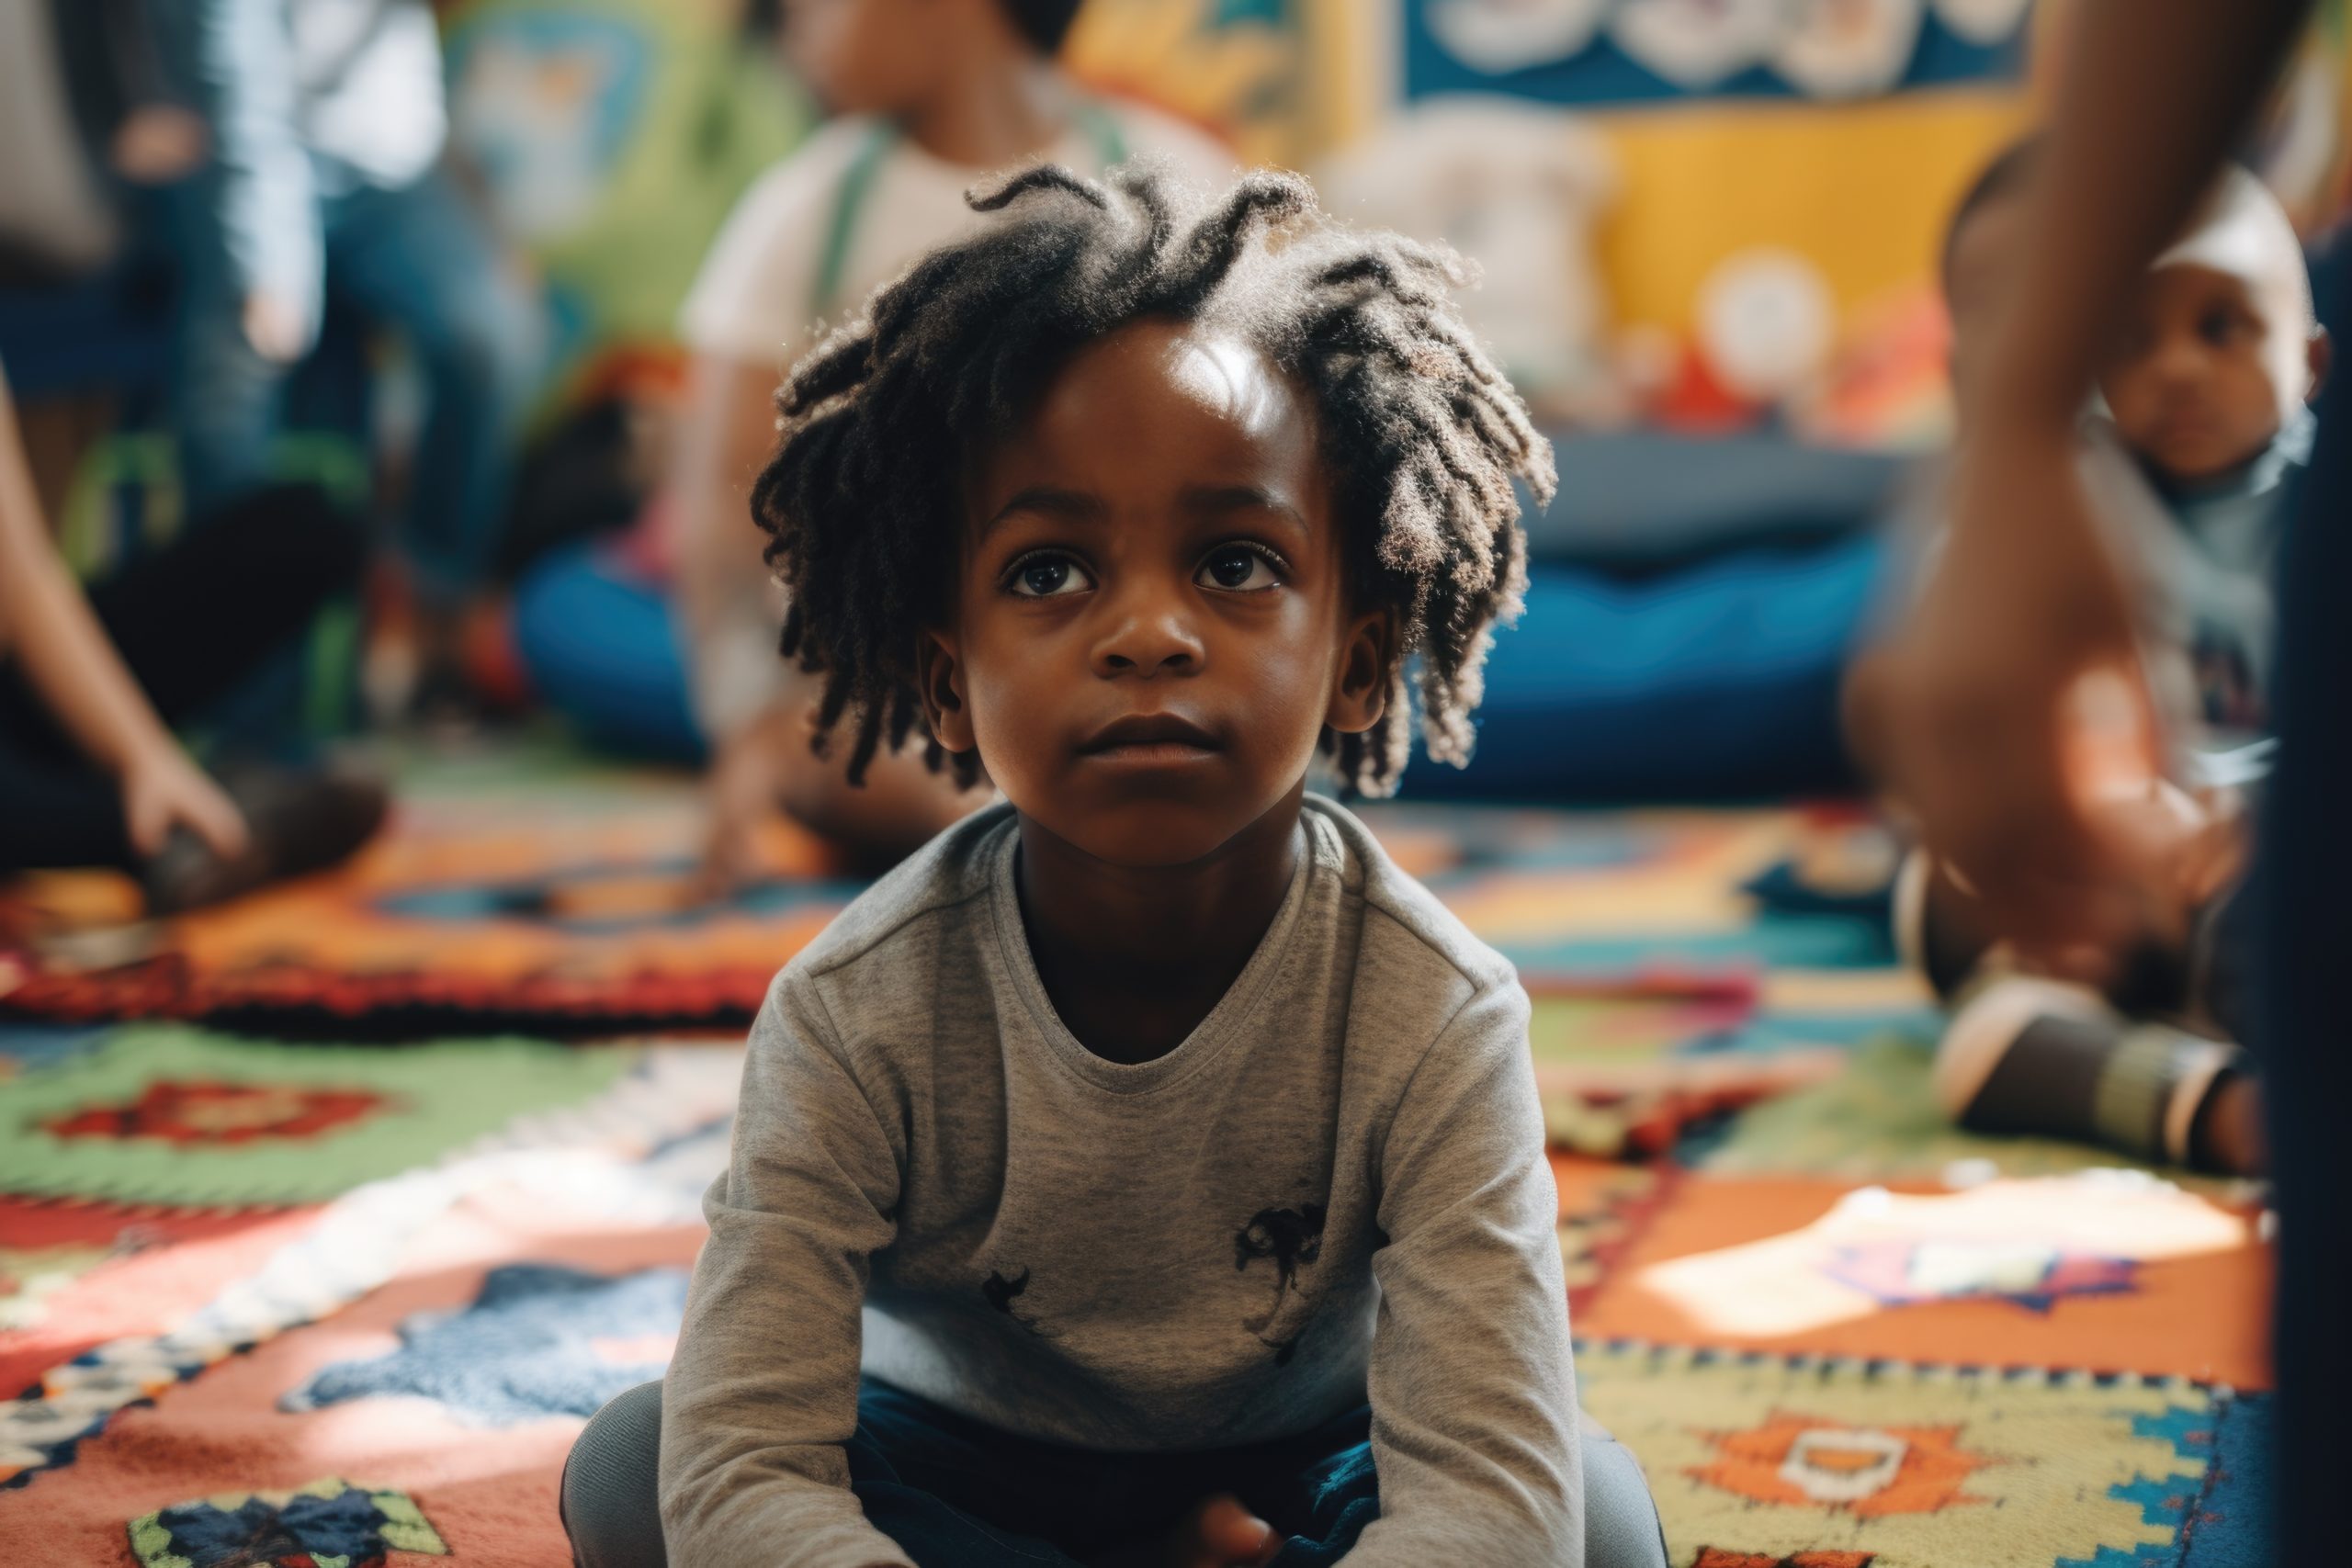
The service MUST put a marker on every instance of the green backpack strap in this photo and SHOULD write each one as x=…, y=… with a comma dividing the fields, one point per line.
x=1099, y=125
x=849, y=201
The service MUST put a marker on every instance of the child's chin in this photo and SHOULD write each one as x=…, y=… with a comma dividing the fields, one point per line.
x=2190, y=463
x=1150, y=835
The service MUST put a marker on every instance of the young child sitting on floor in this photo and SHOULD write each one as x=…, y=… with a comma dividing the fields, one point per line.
x=2205, y=427
x=1097, y=1167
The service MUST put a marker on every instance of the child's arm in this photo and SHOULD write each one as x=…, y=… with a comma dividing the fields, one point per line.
x=1473, y=1409
x=762, y=1393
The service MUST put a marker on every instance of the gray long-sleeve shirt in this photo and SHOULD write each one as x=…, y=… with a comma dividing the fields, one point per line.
x=1334, y=1189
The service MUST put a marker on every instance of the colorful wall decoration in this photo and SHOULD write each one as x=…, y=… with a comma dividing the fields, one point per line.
x=612, y=137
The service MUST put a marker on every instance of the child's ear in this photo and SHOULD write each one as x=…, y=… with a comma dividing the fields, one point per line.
x=940, y=671
x=2319, y=355
x=1359, y=692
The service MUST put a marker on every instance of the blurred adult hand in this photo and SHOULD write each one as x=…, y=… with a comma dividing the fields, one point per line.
x=161, y=789
x=2013, y=707
x=275, y=328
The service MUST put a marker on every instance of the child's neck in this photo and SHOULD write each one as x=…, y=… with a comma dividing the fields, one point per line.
x=987, y=118
x=1133, y=958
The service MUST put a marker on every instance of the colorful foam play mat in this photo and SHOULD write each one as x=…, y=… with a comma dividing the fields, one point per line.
x=265, y=1300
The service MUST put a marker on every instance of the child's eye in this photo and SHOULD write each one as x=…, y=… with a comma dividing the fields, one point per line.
x=1239, y=569
x=2219, y=326
x=1046, y=577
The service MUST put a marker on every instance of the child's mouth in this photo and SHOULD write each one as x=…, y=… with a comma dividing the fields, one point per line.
x=1155, y=739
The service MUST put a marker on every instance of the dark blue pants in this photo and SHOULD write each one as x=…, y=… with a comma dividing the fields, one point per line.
x=413, y=257
x=956, y=1493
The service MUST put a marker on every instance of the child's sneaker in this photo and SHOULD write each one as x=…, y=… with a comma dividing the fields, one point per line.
x=2028, y=1055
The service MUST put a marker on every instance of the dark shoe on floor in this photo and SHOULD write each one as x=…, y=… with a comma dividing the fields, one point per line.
x=1940, y=931
x=2041, y=1058
x=300, y=821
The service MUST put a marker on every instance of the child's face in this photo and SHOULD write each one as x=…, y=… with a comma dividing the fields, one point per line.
x=864, y=56
x=1151, y=620
x=2205, y=373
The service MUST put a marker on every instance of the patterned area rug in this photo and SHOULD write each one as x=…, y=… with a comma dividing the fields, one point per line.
x=263, y=1303
x=539, y=897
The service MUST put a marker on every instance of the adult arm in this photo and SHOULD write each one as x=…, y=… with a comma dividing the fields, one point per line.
x=1980, y=700
x=46, y=626
x=1473, y=1408
x=762, y=1393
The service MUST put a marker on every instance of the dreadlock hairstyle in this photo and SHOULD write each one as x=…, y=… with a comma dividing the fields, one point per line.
x=862, y=499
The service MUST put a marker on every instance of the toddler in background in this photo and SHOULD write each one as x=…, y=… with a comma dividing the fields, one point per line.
x=2191, y=458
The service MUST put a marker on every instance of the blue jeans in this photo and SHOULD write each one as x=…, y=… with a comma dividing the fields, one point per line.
x=956, y=1493
x=413, y=258
x=604, y=648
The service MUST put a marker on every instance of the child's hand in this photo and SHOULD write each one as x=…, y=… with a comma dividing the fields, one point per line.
x=1220, y=1533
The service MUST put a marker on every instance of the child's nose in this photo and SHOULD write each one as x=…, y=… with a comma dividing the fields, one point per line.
x=2180, y=359
x=1148, y=635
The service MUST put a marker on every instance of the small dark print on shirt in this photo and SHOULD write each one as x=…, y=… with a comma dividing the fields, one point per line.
x=1001, y=1293
x=1290, y=1238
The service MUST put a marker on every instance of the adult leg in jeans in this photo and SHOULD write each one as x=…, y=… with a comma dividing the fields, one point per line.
x=417, y=259
x=227, y=400
x=924, y=1475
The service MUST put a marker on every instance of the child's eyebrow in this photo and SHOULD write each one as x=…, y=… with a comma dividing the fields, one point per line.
x=1218, y=499
x=1073, y=505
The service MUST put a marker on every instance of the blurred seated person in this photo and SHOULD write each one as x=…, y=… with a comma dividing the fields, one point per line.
x=928, y=96
x=2204, y=428
x=90, y=773
x=327, y=127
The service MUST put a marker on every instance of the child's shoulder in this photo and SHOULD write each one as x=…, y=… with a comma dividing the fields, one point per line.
x=1410, y=935
x=951, y=872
